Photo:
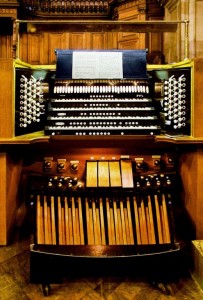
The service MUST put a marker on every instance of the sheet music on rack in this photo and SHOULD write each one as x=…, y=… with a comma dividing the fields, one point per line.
x=93, y=65
x=100, y=64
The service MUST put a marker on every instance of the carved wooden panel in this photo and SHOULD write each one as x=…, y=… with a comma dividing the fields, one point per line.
x=39, y=48
x=130, y=12
x=78, y=40
x=36, y=48
x=66, y=9
x=131, y=41
x=98, y=41
x=8, y=12
x=155, y=40
x=131, y=9
x=38, y=43
x=23, y=48
x=59, y=40
x=6, y=46
x=6, y=37
x=112, y=40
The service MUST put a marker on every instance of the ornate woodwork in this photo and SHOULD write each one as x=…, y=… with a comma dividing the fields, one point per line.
x=8, y=15
x=8, y=8
x=67, y=8
x=38, y=42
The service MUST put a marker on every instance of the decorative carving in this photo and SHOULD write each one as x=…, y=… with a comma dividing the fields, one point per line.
x=8, y=2
x=8, y=8
x=15, y=39
x=8, y=15
x=67, y=8
x=7, y=11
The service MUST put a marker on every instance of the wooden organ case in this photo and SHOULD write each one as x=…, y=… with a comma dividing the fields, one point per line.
x=104, y=185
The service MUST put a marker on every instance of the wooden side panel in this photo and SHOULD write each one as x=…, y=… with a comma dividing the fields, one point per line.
x=3, y=200
x=192, y=177
x=5, y=46
x=9, y=183
x=7, y=108
x=197, y=109
x=15, y=206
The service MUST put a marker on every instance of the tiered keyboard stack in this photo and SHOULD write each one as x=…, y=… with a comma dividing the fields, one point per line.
x=101, y=107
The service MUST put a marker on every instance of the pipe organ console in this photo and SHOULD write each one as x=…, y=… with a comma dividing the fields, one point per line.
x=140, y=103
x=101, y=192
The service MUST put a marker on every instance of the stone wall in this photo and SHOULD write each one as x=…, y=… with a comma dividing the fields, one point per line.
x=175, y=44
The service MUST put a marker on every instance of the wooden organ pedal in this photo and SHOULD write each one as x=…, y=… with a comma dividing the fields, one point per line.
x=114, y=208
x=111, y=210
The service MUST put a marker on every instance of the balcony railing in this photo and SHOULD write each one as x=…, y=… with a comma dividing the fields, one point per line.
x=67, y=8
